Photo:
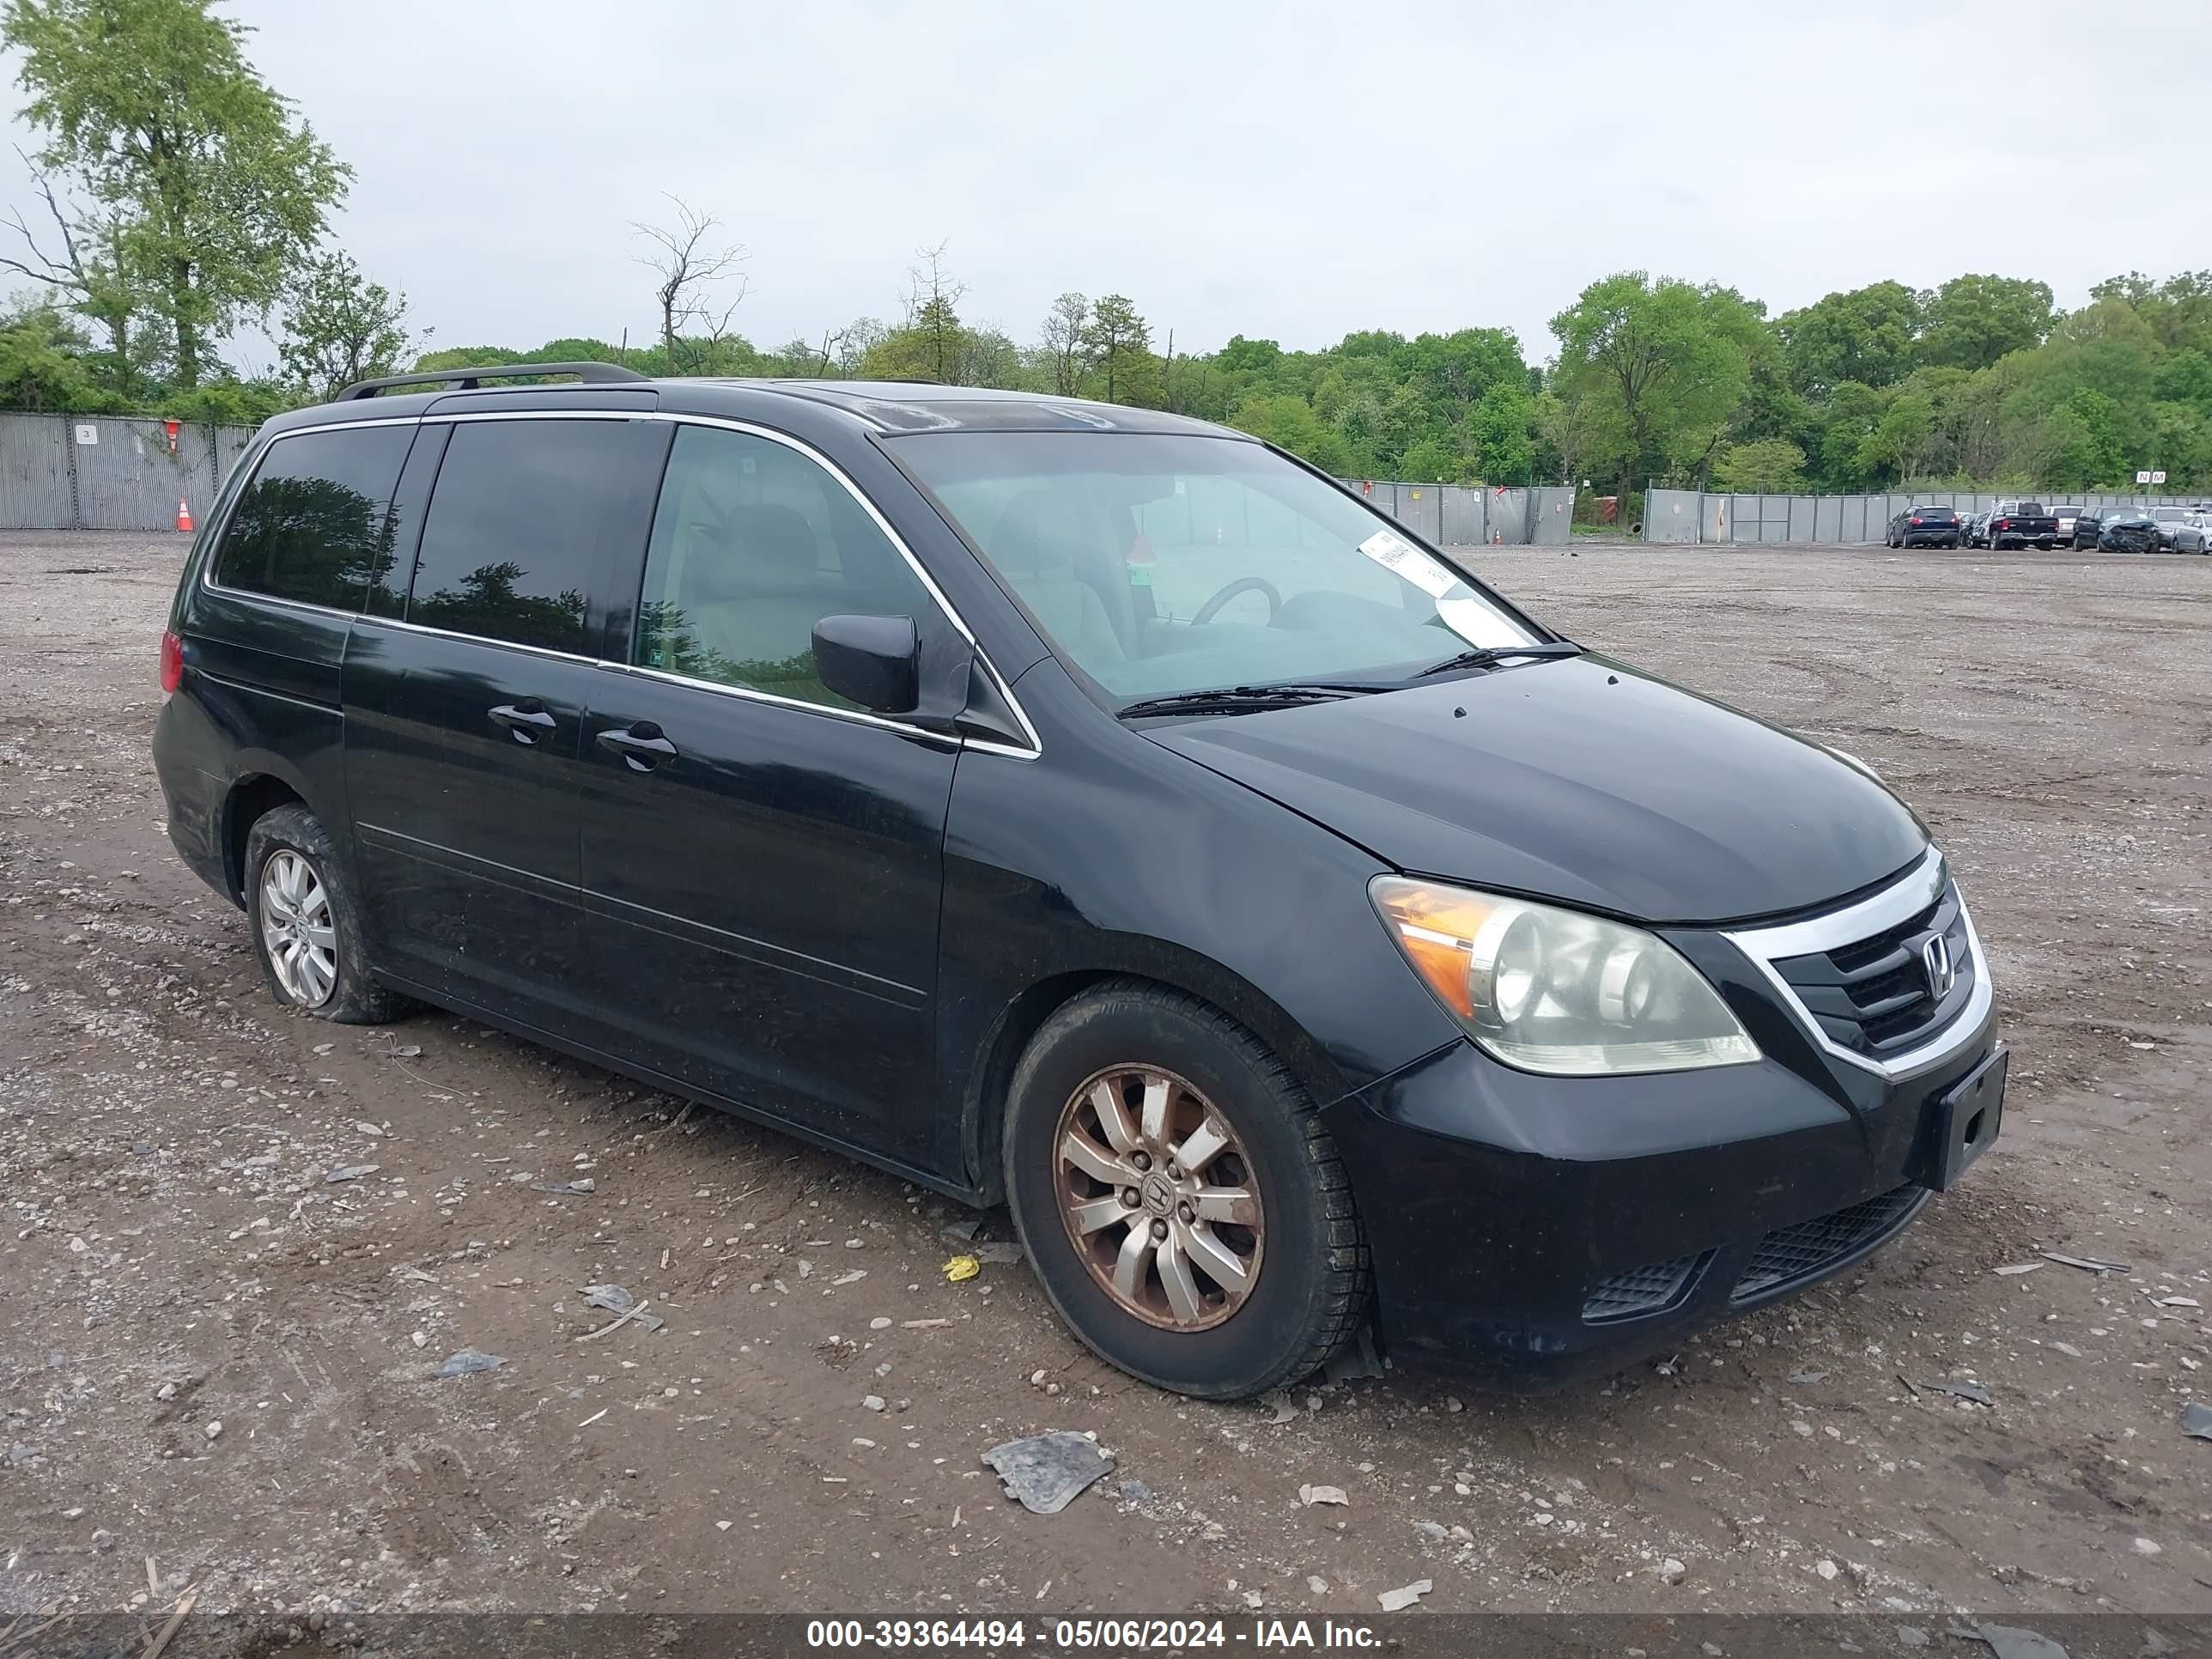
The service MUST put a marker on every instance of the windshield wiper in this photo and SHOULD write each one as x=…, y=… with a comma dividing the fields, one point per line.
x=1240, y=699
x=1490, y=656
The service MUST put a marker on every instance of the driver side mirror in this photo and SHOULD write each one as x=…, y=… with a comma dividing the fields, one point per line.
x=874, y=661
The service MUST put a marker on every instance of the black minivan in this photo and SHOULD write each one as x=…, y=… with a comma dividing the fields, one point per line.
x=1088, y=809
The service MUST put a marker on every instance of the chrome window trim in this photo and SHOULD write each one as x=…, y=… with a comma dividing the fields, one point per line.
x=862, y=716
x=406, y=627
x=929, y=584
x=1920, y=887
x=677, y=417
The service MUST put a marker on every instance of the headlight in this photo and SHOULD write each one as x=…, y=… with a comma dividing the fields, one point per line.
x=1556, y=991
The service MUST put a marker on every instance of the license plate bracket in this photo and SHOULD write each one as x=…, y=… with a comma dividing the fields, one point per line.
x=1966, y=1119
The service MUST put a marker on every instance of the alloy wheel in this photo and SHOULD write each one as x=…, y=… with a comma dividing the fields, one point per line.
x=296, y=928
x=1159, y=1197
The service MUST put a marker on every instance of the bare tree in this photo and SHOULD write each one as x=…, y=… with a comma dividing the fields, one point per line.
x=932, y=299
x=92, y=279
x=1063, y=340
x=854, y=342
x=691, y=262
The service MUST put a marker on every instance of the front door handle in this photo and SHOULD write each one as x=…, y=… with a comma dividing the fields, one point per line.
x=642, y=745
x=524, y=721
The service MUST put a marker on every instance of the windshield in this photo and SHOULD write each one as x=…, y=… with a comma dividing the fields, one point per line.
x=1163, y=564
x=2168, y=514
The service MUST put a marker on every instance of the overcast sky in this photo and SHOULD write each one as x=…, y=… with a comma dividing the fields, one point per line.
x=1290, y=171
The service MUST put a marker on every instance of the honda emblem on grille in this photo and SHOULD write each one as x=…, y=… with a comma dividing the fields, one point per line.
x=1935, y=959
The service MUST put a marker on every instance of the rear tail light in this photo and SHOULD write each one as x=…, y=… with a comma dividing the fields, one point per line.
x=1915, y=523
x=172, y=662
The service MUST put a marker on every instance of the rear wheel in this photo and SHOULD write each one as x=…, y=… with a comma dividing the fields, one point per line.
x=306, y=924
x=1180, y=1197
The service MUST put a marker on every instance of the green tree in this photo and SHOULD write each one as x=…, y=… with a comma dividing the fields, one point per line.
x=1499, y=442
x=1290, y=423
x=1898, y=445
x=1671, y=359
x=2081, y=442
x=81, y=257
x=1865, y=335
x=1973, y=320
x=1118, y=348
x=1432, y=460
x=1770, y=463
x=2178, y=311
x=2186, y=378
x=216, y=190
x=339, y=327
x=43, y=364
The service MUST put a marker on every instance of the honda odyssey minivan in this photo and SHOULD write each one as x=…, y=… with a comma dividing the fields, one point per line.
x=1090, y=810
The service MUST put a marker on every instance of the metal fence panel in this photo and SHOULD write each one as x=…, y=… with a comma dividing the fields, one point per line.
x=1551, y=515
x=34, y=473
x=1420, y=509
x=132, y=480
x=1672, y=515
x=1508, y=511
x=1461, y=511
x=1800, y=515
x=230, y=442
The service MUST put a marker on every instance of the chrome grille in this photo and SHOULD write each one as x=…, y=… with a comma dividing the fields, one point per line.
x=1873, y=995
x=1808, y=1248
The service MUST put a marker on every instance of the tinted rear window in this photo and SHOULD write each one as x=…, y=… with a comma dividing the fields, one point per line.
x=315, y=525
x=520, y=513
x=1933, y=512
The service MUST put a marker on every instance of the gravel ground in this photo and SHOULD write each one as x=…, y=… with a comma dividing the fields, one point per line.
x=220, y=1364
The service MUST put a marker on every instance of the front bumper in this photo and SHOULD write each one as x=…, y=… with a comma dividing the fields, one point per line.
x=1533, y=1230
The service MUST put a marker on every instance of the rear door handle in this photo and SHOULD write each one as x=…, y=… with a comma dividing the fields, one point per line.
x=524, y=720
x=642, y=745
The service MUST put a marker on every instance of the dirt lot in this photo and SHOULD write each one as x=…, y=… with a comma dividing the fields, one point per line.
x=212, y=1356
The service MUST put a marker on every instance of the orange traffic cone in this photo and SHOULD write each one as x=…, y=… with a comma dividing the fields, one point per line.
x=184, y=515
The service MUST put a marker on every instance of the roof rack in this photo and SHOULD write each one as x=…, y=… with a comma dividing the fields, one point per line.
x=468, y=379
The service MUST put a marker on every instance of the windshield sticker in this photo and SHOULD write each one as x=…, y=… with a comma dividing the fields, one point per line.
x=1401, y=558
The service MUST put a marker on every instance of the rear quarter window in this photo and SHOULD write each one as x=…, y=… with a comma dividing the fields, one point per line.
x=315, y=525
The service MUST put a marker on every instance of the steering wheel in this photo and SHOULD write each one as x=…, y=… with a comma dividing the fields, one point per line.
x=1212, y=608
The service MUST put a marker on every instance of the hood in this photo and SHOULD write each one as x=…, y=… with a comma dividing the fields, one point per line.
x=1580, y=780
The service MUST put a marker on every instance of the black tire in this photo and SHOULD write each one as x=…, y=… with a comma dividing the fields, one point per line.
x=353, y=997
x=1310, y=1291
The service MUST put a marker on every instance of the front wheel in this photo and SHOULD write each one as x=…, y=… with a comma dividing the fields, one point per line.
x=306, y=925
x=1180, y=1197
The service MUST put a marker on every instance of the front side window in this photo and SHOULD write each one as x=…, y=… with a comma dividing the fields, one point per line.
x=752, y=544
x=522, y=512
x=315, y=525
x=1157, y=564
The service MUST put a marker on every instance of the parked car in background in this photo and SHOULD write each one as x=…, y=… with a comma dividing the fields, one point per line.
x=1925, y=526
x=1973, y=530
x=2017, y=524
x=2180, y=529
x=2129, y=530
x=2066, y=517
x=865, y=757
x=2089, y=522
